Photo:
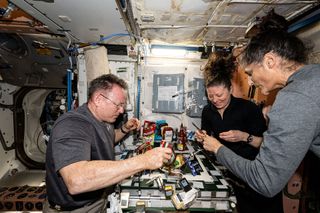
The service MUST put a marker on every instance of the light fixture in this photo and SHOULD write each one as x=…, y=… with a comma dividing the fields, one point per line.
x=172, y=51
x=168, y=52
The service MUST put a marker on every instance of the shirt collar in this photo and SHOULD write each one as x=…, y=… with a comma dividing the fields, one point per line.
x=231, y=104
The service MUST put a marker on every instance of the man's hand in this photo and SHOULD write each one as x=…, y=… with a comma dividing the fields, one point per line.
x=211, y=144
x=234, y=136
x=155, y=158
x=132, y=124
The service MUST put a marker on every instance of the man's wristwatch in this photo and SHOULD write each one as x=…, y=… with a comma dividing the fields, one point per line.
x=122, y=130
x=250, y=138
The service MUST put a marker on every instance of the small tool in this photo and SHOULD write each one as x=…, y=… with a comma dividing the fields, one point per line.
x=200, y=130
x=195, y=125
x=197, y=128
x=194, y=153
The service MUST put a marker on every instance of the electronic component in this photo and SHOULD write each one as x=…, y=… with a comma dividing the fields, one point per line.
x=140, y=206
x=124, y=199
x=184, y=200
x=185, y=185
x=168, y=191
x=191, y=167
x=159, y=181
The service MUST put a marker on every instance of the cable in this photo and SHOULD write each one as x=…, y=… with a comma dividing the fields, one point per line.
x=49, y=33
x=110, y=36
x=69, y=88
x=38, y=135
x=69, y=76
x=74, y=49
x=37, y=142
x=138, y=98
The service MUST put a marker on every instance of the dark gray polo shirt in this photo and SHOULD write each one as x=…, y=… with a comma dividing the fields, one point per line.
x=76, y=136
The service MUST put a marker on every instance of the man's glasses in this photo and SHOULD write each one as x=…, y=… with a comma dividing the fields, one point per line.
x=117, y=105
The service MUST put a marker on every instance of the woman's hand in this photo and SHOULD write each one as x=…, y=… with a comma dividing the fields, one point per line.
x=200, y=135
x=234, y=136
x=211, y=144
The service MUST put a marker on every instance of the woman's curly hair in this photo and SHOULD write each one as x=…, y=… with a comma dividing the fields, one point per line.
x=219, y=70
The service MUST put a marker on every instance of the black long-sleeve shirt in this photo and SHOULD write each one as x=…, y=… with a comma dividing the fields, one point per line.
x=241, y=115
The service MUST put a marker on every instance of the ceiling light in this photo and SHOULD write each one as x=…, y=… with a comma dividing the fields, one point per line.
x=168, y=52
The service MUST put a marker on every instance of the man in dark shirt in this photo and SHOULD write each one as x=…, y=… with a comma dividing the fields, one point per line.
x=80, y=161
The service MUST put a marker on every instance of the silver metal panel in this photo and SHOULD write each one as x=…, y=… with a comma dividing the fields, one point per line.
x=86, y=21
x=198, y=22
x=197, y=98
x=6, y=127
x=168, y=92
x=169, y=21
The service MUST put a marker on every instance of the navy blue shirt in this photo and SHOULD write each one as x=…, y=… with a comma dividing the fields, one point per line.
x=241, y=115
